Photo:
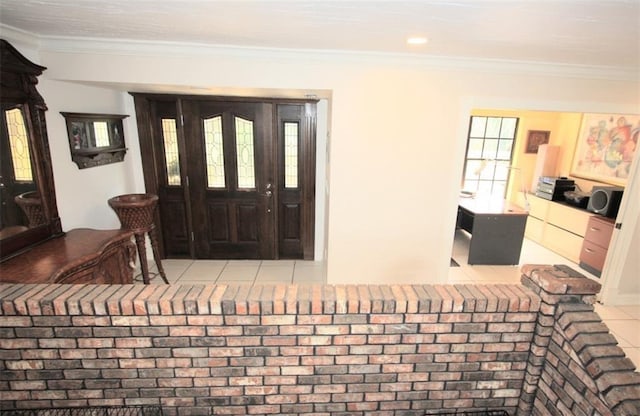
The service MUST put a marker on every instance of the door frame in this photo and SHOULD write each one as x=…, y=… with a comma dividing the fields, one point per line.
x=152, y=162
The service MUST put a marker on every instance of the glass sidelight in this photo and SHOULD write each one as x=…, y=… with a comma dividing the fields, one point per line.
x=19, y=144
x=214, y=152
x=245, y=154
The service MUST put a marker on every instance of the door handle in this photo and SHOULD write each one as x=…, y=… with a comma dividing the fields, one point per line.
x=269, y=194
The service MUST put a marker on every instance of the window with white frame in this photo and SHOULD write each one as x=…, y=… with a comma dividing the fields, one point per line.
x=489, y=152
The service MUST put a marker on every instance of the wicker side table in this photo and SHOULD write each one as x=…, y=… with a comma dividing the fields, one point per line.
x=136, y=212
x=31, y=205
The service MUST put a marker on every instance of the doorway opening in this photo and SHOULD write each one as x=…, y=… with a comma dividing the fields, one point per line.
x=235, y=176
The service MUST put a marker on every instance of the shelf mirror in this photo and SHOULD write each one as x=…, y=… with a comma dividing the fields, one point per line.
x=95, y=139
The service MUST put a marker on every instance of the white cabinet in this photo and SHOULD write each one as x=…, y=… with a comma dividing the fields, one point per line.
x=563, y=242
x=571, y=219
x=556, y=226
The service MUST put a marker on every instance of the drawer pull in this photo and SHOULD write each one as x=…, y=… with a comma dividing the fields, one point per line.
x=595, y=229
x=588, y=250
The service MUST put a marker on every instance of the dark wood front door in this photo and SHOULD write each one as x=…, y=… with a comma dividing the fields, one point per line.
x=235, y=178
x=231, y=182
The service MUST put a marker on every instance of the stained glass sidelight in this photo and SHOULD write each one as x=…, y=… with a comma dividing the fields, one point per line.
x=19, y=143
x=290, y=155
x=102, y=133
x=245, y=154
x=214, y=151
x=171, y=159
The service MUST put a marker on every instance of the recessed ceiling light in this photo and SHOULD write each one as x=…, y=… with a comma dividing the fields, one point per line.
x=416, y=40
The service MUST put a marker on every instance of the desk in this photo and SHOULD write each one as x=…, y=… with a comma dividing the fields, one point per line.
x=496, y=227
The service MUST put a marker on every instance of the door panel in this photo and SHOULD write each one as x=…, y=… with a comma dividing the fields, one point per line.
x=219, y=230
x=173, y=207
x=296, y=174
x=234, y=216
x=174, y=221
x=247, y=223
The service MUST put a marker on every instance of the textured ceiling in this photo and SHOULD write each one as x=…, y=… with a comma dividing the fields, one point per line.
x=583, y=32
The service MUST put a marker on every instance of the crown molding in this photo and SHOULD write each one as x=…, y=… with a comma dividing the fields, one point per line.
x=14, y=35
x=60, y=44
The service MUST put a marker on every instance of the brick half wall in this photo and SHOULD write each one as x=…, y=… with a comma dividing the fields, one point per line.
x=304, y=350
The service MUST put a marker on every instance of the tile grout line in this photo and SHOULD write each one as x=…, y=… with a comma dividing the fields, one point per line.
x=226, y=263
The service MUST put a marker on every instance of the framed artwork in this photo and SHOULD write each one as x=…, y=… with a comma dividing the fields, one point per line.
x=535, y=138
x=605, y=147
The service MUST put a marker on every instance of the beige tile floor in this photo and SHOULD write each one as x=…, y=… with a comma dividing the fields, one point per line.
x=623, y=321
x=242, y=271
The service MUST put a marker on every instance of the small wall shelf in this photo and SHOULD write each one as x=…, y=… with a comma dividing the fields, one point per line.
x=95, y=139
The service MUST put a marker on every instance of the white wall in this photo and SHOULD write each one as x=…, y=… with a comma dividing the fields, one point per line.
x=397, y=135
x=630, y=286
x=82, y=194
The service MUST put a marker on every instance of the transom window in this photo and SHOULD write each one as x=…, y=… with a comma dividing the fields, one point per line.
x=489, y=152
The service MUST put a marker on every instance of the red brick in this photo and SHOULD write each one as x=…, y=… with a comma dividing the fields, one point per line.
x=297, y=350
x=434, y=348
x=383, y=339
x=278, y=320
x=298, y=370
x=455, y=317
x=296, y=330
x=435, y=328
x=368, y=404
x=451, y=338
x=280, y=380
x=133, y=342
x=502, y=347
x=350, y=339
x=163, y=363
x=364, y=349
x=223, y=331
x=331, y=329
x=379, y=359
x=186, y=331
x=488, y=317
x=397, y=368
x=22, y=343
x=200, y=320
x=421, y=318
x=129, y=320
x=260, y=390
x=306, y=389
x=78, y=354
x=315, y=340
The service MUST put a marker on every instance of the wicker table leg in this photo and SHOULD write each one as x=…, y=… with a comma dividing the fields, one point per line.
x=142, y=253
x=153, y=237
